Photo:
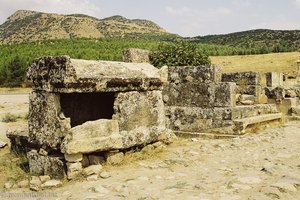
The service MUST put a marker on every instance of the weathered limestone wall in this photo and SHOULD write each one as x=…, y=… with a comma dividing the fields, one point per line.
x=200, y=94
x=46, y=128
x=248, y=83
x=141, y=117
x=195, y=99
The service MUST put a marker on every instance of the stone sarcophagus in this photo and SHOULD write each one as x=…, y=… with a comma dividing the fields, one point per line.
x=80, y=107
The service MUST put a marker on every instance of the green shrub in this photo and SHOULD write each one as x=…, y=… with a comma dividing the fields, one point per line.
x=178, y=53
x=8, y=117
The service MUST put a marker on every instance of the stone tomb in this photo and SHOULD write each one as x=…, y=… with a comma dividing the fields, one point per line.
x=81, y=107
x=201, y=100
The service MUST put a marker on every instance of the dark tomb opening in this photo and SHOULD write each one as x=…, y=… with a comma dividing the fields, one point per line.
x=83, y=107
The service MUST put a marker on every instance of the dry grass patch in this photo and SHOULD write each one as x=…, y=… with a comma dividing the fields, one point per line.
x=15, y=90
x=11, y=168
x=275, y=62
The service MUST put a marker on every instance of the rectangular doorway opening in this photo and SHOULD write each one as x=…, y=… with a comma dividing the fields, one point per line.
x=83, y=107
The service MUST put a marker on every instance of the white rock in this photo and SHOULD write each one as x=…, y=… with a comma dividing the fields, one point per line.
x=77, y=157
x=2, y=144
x=92, y=178
x=71, y=175
x=8, y=185
x=43, y=152
x=35, y=183
x=44, y=178
x=104, y=174
x=148, y=148
x=74, y=167
x=92, y=169
x=52, y=184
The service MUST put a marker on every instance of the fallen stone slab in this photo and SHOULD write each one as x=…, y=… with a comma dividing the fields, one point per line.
x=51, y=184
x=241, y=124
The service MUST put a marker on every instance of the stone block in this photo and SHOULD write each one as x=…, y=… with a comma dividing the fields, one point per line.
x=134, y=55
x=93, y=136
x=51, y=184
x=35, y=183
x=243, y=78
x=92, y=169
x=46, y=165
x=189, y=118
x=45, y=126
x=225, y=95
x=194, y=74
x=200, y=95
x=274, y=79
x=74, y=157
x=64, y=75
x=73, y=169
x=189, y=94
x=114, y=158
x=44, y=178
x=245, y=111
x=141, y=117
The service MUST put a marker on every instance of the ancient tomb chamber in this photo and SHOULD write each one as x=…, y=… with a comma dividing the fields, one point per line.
x=80, y=107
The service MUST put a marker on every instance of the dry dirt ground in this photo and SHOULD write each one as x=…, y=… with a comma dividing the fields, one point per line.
x=257, y=166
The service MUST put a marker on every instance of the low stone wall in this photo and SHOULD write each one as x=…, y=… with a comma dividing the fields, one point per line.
x=195, y=100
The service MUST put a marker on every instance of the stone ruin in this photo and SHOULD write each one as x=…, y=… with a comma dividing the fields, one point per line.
x=81, y=108
x=87, y=111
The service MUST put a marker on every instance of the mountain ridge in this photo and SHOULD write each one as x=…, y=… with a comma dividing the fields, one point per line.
x=256, y=38
x=30, y=26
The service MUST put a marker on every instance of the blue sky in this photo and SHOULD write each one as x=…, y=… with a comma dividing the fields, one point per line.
x=184, y=17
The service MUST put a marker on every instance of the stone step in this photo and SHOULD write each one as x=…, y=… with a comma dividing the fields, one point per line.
x=186, y=134
x=243, y=111
x=241, y=124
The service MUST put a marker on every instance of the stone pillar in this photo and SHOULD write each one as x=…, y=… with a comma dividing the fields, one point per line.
x=274, y=79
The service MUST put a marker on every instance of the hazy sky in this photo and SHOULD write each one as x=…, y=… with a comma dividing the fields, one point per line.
x=184, y=17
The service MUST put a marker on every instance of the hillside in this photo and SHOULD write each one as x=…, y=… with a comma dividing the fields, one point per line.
x=263, y=39
x=30, y=26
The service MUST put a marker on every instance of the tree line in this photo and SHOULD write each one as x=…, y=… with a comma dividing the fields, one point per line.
x=14, y=59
